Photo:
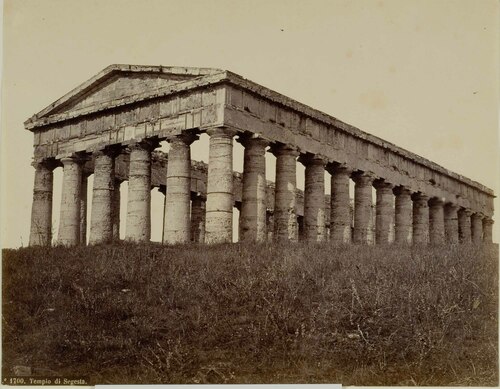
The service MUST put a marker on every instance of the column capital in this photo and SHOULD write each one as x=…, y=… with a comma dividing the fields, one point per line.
x=380, y=183
x=46, y=163
x=363, y=178
x=221, y=132
x=111, y=151
x=248, y=139
x=144, y=144
x=420, y=197
x=451, y=206
x=185, y=137
x=312, y=159
x=488, y=221
x=338, y=168
x=478, y=215
x=73, y=159
x=436, y=201
x=283, y=149
x=400, y=190
x=465, y=211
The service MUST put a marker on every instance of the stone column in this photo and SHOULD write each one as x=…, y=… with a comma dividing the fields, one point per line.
x=314, y=198
x=477, y=228
x=69, y=221
x=177, y=219
x=41, y=211
x=138, y=224
x=403, y=215
x=83, y=208
x=362, y=206
x=115, y=209
x=285, y=197
x=340, y=214
x=420, y=218
x=487, y=230
x=464, y=226
x=198, y=210
x=101, y=223
x=436, y=221
x=270, y=224
x=253, y=197
x=384, y=212
x=451, y=223
x=219, y=214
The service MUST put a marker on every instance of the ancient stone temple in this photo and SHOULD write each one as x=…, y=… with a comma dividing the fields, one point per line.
x=111, y=125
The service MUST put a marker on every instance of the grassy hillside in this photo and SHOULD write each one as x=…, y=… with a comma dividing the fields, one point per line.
x=252, y=314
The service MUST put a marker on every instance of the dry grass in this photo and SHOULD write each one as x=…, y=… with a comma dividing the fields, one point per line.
x=253, y=314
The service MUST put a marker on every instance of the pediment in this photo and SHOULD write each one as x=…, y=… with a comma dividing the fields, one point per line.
x=117, y=82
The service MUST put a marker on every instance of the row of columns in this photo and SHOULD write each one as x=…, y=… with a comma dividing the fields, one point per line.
x=417, y=218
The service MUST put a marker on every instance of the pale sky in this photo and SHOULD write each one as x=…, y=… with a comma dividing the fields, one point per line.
x=422, y=74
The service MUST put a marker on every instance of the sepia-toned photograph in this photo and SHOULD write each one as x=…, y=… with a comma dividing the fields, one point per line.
x=250, y=192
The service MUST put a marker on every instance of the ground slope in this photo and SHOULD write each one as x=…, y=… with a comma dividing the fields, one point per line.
x=359, y=315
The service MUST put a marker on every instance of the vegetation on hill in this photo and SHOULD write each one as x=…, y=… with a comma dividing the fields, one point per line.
x=235, y=313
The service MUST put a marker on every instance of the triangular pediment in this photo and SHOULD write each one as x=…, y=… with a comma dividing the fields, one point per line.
x=118, y=82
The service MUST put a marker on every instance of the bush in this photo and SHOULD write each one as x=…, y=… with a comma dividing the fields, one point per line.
x=235, y=313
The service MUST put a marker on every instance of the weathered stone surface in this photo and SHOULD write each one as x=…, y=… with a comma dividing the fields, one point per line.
x=115, y=212
x=69, y=221
x=477, y=228
x=451, y=223
x=464, y=225
x=101, y=222
x=198, y=219
x=436, y=221
x=219, y=214
x=253, y=226
x=362, y=206
x=177, y=221
x=314, y=198
x=340, y=214
x=420, y=218
x=41, y=211
x=83, y=208
x=384, y=211
x=403, y=215
x=487, y=230
x=127, y=104
x=285, y=217
x=138, y=223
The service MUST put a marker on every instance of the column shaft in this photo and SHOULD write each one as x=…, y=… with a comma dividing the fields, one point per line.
x=464, y=226
x=314, y=198
x=198, y=210
x=384, y=212
x=451, y=223
x=477, y=228
x=69, y=221
x=83, y=209
x=219, y=214
x=340, y=214
x=177, y=219
x=403, y=215
x=41, y=211
x=115, y=209
x=487, y=230
x=420, y=219
x=253, y=208
x=138, y=224
x=436, y=221
x=285, y=197
x=101, y=223
x=362, y=206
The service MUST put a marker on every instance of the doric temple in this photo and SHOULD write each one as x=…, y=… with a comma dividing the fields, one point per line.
x=111, y=125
